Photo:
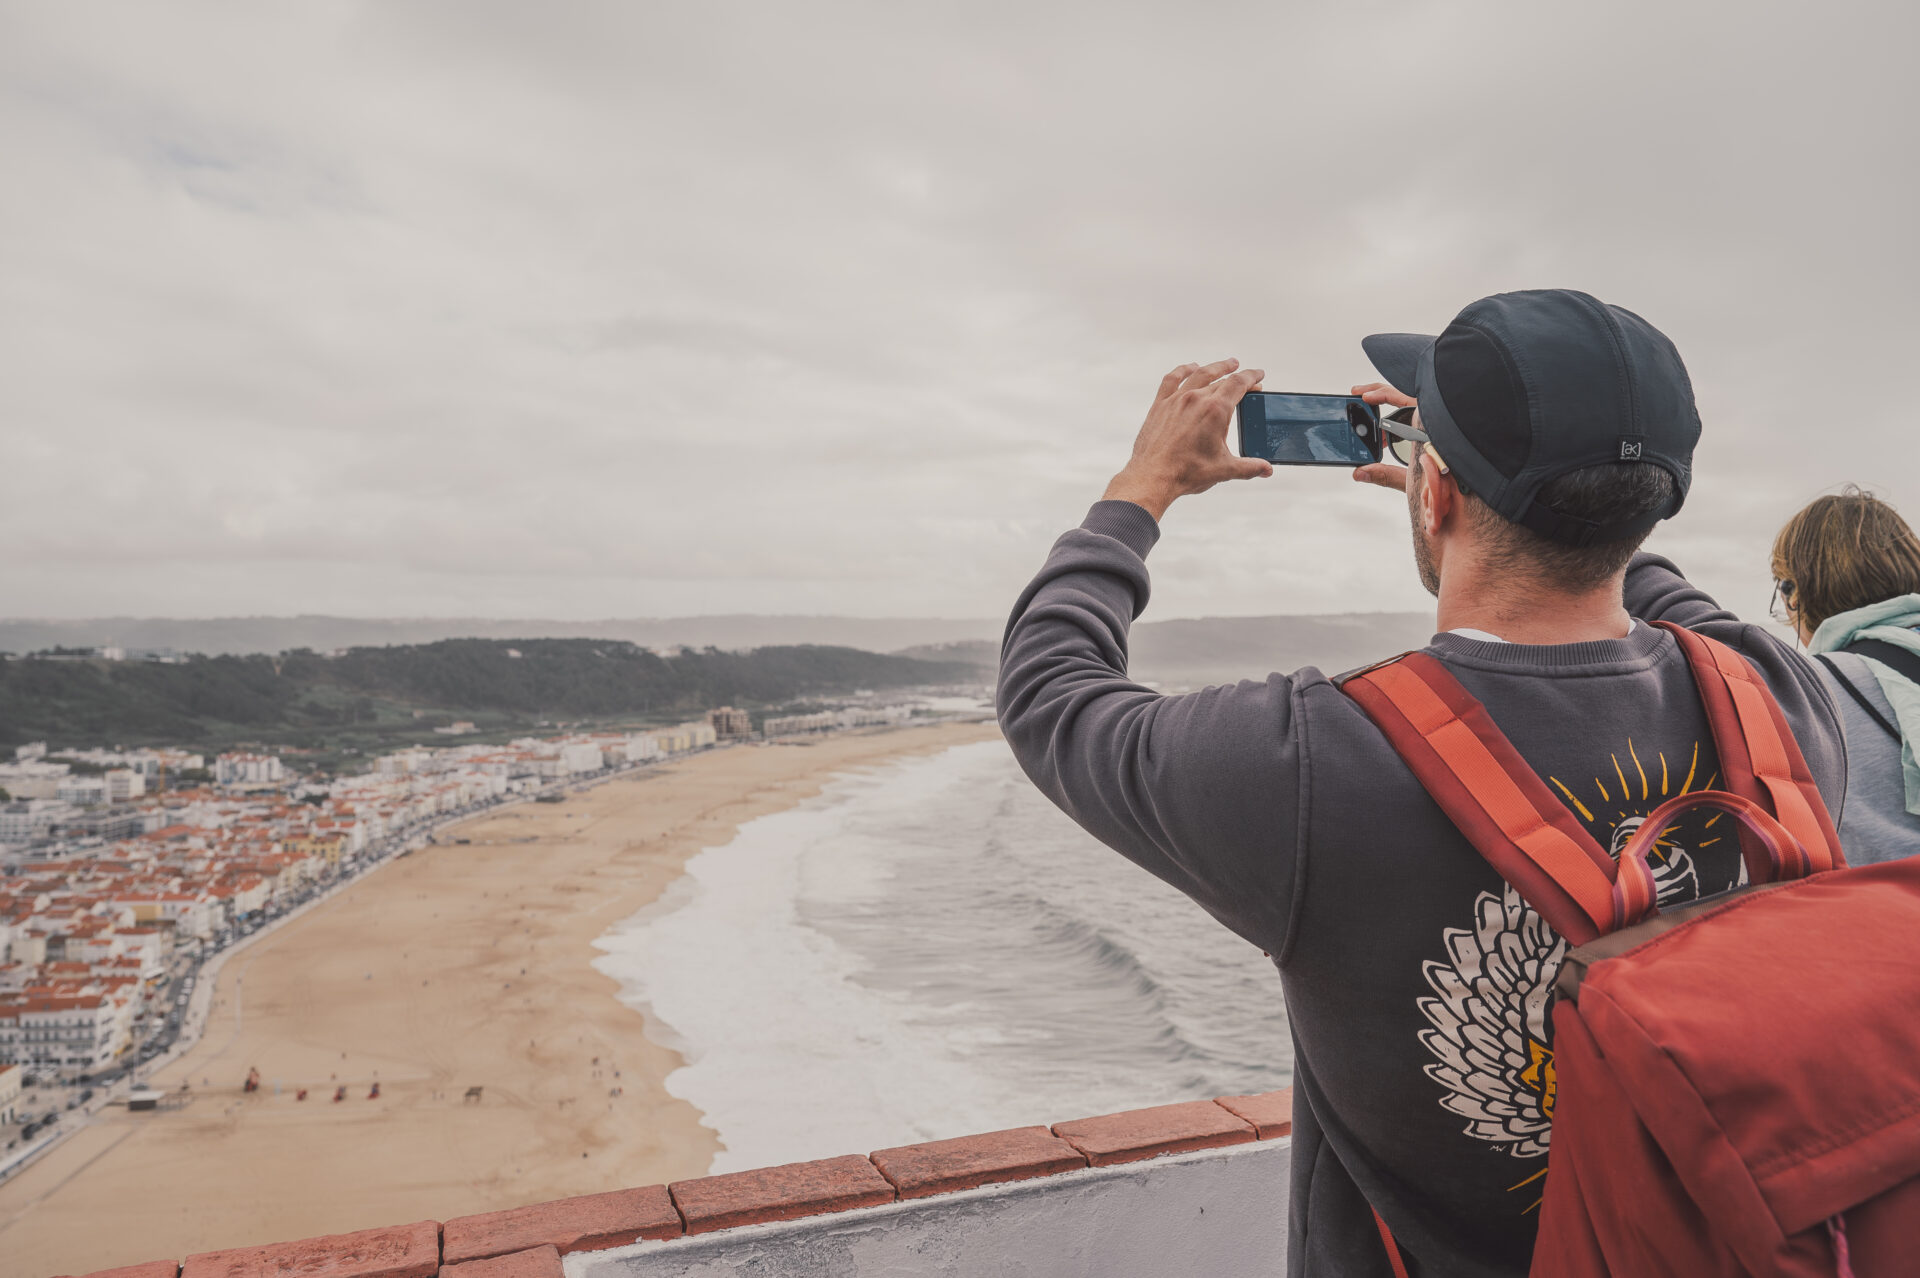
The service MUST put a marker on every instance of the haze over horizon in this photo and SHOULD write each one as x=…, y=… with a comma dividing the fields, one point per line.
x=585, y=311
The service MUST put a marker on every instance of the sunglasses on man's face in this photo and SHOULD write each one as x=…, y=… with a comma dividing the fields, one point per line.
x=1402, y=434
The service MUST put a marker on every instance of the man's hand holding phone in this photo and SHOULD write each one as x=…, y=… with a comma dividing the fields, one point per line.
x=1182, y=446
x=1384, y=474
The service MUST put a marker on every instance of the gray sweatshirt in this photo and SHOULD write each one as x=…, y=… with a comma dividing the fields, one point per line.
x=1416, y=980
x=1878, y=826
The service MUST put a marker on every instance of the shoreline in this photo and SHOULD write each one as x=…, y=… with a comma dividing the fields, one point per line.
x=463, y=965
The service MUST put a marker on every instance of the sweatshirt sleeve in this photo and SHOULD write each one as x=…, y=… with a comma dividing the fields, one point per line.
x=1656, y=591
x=1201, y=790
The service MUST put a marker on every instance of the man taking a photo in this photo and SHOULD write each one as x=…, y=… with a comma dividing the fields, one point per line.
x=1550, y=432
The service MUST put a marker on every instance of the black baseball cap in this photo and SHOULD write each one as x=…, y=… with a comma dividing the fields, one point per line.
x=1524, y=387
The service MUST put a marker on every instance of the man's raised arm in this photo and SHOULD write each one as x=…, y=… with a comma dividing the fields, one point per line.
x=1200, y=790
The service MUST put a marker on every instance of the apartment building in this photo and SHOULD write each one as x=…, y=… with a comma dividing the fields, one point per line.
x=66, y=1034
x=32, y=820
x=82, y=791
x=244, y=771
x=729, y=723
x=10, y=1081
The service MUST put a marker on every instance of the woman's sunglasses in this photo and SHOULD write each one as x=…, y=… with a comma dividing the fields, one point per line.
x=1781, y=606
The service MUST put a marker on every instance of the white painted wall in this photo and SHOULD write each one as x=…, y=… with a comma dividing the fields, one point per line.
x=1217, y=1211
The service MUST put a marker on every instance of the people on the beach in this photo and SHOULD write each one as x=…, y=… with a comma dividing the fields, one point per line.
x=1551, y=434
x=1846, y=573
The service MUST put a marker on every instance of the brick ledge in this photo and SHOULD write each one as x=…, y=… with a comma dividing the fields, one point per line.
x=527, y=1242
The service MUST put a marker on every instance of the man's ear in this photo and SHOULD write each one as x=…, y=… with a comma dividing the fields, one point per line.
x=1438, y=496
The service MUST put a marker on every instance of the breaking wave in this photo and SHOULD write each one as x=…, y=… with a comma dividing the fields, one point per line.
x=929, y=949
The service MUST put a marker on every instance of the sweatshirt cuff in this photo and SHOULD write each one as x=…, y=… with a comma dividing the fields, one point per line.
x=1126, y=523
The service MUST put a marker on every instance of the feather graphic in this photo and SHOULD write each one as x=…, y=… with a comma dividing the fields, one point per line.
x=1489, y=1023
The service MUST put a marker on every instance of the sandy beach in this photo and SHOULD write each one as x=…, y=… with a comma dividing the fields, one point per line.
x=461, y=966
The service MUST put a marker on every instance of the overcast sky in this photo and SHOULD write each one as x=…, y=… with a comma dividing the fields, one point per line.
x=587, y=310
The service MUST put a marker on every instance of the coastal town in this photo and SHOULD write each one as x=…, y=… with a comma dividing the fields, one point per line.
x=125, y=873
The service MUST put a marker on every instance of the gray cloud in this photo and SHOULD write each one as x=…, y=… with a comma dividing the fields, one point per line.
x=582, y=310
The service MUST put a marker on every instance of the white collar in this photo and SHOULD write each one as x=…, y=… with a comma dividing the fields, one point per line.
x=1467, y=632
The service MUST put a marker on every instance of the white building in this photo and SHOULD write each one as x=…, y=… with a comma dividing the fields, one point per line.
x=32, y=778
x=683, y=737
x=787, y=725
x=245, y=770
x=10, y=1076
x=145, y=762
x=65, y=1034
x=581, y=756
x=402, y=762
x=874, y=716
x=82, y=792
x=30, y=820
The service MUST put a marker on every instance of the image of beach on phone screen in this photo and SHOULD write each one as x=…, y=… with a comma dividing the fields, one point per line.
x=1308, y=430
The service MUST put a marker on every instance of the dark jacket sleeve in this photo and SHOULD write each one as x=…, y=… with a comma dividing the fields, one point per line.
x=1656, y=591
x=1201, y=790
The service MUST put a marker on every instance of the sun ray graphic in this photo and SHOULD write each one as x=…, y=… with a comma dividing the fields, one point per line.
x=1579, y=806
x=1514, y=1189
x=1636, y=763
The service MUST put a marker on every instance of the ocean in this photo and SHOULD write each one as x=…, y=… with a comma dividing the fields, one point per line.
x=930, y=949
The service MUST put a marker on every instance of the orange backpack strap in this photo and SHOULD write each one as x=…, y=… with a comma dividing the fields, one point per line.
x=1759, y=759
x=1496, y=800
x=1394, y=1258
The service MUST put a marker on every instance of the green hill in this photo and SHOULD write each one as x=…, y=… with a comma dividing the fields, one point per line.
x=365, y=695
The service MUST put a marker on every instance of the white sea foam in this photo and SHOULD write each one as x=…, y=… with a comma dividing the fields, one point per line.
x=928, y=949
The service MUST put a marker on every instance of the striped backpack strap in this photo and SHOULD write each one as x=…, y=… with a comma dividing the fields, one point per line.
x=1759, y=759
x=1497, y=801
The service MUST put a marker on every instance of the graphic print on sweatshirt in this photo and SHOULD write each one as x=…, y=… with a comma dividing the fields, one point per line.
x=1491, y=1010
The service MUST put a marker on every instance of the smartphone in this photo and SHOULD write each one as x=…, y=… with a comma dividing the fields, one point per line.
x=1309, y=430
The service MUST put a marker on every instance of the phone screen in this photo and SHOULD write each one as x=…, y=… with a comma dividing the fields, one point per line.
x=1309, y=430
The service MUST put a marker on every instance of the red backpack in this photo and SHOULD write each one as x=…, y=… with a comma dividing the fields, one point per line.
x=1738, y=1078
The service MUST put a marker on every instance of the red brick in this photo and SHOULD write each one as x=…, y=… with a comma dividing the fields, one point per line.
x=1271, y=1113
x=151, y=1269
x=571, y=1224
x=537, y=1262
x=1146, y=1133
x=400, y=1251
x=779, y=1193
x=942, y=1166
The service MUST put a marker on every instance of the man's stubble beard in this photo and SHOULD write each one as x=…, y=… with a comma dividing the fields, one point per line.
x=1422, y=548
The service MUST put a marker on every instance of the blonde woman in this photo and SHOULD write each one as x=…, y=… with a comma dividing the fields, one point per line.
x=1846, y=573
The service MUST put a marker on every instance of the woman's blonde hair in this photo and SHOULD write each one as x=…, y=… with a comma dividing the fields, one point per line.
x=1844, y=552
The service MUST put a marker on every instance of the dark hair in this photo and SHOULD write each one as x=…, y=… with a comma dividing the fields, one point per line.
x=1608, y=493
x=1843, y=552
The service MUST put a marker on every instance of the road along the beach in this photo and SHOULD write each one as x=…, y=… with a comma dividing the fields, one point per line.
x=459, y=967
